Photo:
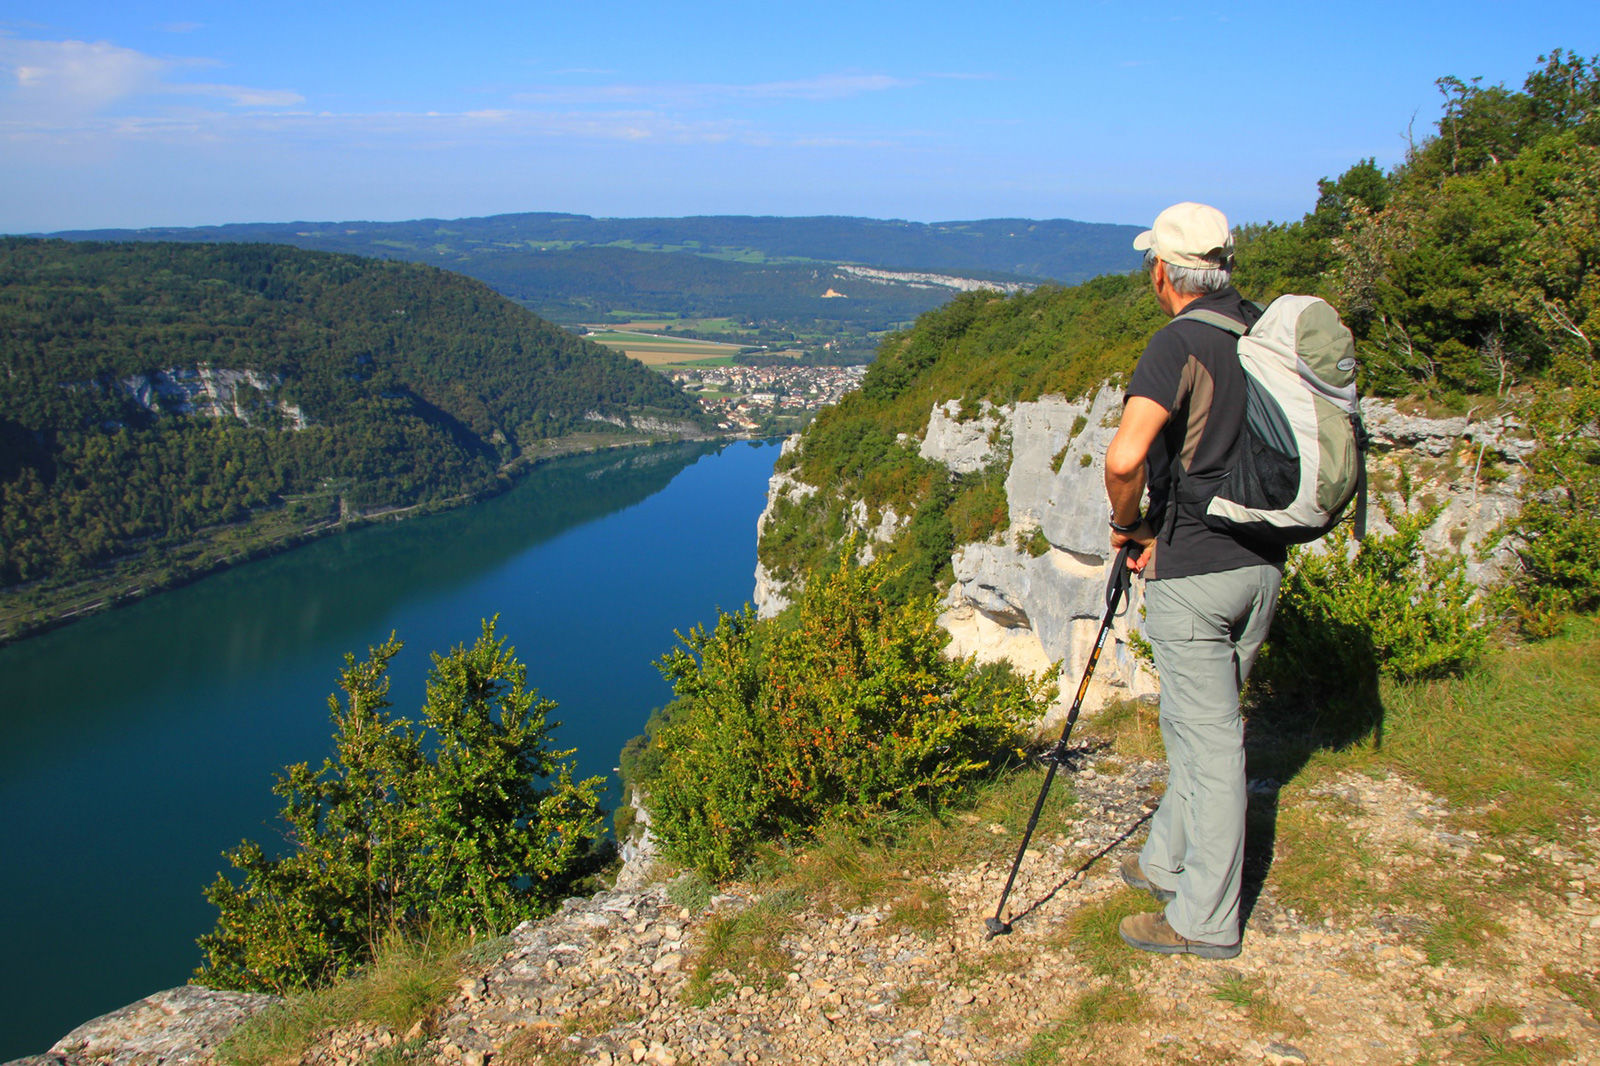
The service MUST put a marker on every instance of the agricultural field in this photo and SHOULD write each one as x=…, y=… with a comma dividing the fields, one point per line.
x=654, y=350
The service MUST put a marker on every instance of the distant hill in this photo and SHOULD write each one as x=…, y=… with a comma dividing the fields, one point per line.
x=156, y=393
x=576, y=268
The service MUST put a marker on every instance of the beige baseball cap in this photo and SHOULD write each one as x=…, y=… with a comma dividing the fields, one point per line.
x=1189, y=235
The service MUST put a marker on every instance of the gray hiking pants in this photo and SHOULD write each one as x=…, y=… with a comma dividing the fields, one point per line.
x=1205, y=631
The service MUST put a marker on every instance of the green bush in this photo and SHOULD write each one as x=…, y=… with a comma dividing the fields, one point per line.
x=844, y=706
x=475, y=823
x=1557, y=533
x=980, y=509
x=1386, y=608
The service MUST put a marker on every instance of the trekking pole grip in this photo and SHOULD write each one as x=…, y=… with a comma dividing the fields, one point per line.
x=1121, y=578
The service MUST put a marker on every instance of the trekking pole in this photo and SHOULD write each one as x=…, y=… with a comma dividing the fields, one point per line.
x=1116, y=585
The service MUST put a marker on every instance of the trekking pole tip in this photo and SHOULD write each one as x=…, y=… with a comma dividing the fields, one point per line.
x=996, y=927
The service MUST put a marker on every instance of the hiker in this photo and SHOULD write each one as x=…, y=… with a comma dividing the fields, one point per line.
x=1209, y=595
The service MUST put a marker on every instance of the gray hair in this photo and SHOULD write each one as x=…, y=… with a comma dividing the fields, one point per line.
x=1194, y=281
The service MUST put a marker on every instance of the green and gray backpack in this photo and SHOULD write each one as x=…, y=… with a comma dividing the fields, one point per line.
x=1301, y=456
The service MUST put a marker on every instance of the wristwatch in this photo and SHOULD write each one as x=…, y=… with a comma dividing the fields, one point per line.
x=1118, y=527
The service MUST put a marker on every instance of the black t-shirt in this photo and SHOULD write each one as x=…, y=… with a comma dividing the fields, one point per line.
x=1192, y=370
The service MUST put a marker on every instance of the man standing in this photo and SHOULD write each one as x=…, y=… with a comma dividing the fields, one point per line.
x=1209, y=595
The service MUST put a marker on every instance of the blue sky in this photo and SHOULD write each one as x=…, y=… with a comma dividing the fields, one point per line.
x=136, y=114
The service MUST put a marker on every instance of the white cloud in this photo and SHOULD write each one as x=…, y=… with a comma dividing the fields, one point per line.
x=76, y=76
x=86, y=98
x=48, y=83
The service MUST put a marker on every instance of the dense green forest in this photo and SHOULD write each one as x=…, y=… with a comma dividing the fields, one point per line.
x=1470, y=275
x=155, y=391
x=766, y=272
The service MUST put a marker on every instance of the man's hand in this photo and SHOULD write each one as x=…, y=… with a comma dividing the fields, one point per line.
x=1144, y=536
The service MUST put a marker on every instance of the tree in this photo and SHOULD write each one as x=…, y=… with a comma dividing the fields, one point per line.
x=845, y=707
x=474, y=824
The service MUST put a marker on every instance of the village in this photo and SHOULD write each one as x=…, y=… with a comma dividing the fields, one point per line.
x=765, y=398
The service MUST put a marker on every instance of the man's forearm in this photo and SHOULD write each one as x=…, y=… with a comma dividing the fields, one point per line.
x=1126, y=493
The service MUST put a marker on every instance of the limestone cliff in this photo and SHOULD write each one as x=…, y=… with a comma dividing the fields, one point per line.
x=1034, y=595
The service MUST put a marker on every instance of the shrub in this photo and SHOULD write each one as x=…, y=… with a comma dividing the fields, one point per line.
x=844, y=706
x=1557, y=532
x=1385, y=608
x=474, y=824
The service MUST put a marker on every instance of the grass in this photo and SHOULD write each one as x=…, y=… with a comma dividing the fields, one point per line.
x=922, y=908
x=1092, y=933
x=1131, y=727
x=1483, y=1038
x=1515, y=737
x=1512, y=749
x=1582, y=989
x=1106, y=1005
x=690, y=891
x=1320, y=868
x=743, y=949
x=1250, y=997
x=1465, y=932
x=403, y=987
x=547, y=1044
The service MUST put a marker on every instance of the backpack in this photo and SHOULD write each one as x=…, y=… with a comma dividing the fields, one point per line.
x=1301, y=454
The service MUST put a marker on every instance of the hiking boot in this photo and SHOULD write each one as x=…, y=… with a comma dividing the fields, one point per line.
x=1150, y=932
x=1133, y=875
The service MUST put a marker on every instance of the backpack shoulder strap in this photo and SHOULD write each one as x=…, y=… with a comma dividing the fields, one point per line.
x=1217, y=319
x=1228, y=325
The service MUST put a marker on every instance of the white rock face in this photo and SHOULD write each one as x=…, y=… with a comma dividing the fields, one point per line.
x=964, y=447
x=1445, y=459
x=639, y=852
x=1037, y=609
x=769, y=598
x=208, y=392
x=643, y=423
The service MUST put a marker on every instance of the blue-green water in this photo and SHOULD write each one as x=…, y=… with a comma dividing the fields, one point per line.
x=141, y=743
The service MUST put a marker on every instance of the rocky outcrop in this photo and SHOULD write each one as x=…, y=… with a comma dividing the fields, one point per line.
x=646, y=423
x=1037, y=595
x=640, y=849
x=1034, y=596
x=210, y=392
x=964, y=446
x=1471, y=468
x=172, y=1028
x=769, y=597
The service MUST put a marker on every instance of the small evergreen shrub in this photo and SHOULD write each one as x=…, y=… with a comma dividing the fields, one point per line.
x=1386, y=608
x=844, y=706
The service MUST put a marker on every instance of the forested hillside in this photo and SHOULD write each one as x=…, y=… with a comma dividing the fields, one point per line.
x=763, y=271
x=157, y=391
x=1470, y=275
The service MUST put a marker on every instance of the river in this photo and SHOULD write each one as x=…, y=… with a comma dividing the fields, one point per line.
x=142, y=743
